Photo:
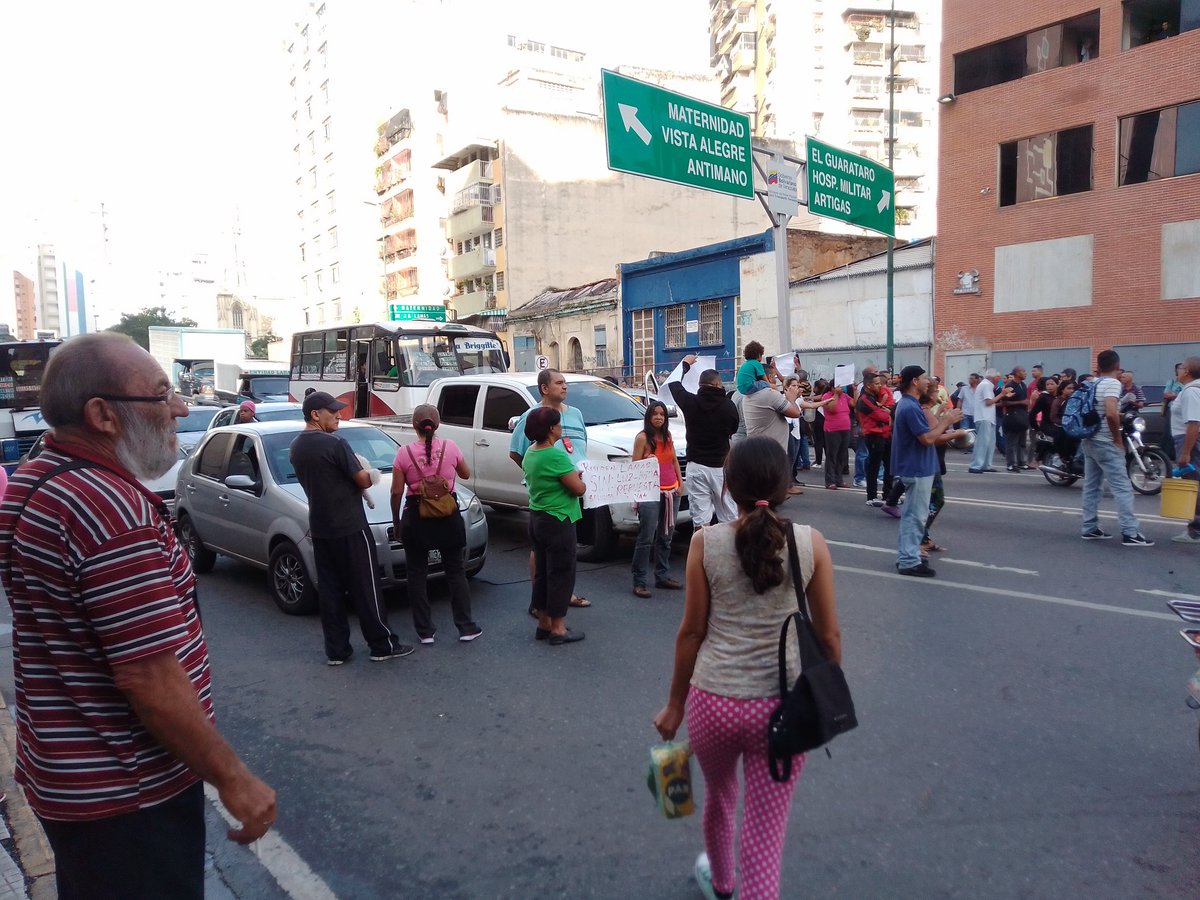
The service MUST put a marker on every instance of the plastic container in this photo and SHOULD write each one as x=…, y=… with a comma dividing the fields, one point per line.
x=1179, y=498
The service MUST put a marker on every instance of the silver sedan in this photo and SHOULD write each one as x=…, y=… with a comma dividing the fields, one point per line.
x=238, y=496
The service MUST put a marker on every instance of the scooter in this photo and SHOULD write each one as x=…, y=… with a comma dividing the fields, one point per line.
x=1146, y=465
x=1189, y=611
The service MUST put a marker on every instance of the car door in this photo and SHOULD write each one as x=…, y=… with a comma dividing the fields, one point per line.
x=248, y=512
x=496, y=476
x=456, y=405
x=203, y=485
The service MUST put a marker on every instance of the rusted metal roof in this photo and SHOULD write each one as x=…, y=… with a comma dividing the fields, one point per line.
x=556, y=302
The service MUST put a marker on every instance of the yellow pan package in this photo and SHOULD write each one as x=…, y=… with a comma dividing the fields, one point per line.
x=670, y=779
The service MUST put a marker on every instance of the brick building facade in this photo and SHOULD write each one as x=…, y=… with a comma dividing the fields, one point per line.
x=1069, y=202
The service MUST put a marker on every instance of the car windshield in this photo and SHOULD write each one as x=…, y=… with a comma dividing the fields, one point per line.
x=280, y=415
x=197, y=418
x=599, y=402
x=269, y=384
x=374, y=445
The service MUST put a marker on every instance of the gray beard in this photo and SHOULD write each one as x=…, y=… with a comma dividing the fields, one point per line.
x=145, y=449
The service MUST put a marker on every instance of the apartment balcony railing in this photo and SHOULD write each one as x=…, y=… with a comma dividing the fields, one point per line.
x=471, y=303
x=475, y=264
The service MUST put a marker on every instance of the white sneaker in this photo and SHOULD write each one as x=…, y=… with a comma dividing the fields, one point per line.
x=1187, y=537
x=703, y=873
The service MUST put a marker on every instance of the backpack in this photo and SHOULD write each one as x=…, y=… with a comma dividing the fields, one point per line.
x=1079, y=417
x=436, y=500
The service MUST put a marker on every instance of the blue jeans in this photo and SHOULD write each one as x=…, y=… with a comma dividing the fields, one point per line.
x=860, y=459
x=985, y=445
x=968, y=422
x=651, y=536
x=1103, y=460
x=912, y=520
x=798, y=451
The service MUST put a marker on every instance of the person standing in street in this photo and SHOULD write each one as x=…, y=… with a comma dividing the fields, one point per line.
x=333, y=481
x=766, y=414
x=836, y=404
x=1185, y=429
x=114, y=717
x=1104, y=460
x=915, y=463
x=656, y=518
x=874, y=410
x=1170, y=392
x=740, y=587
x=966, y=400
x=1014, y=407
x=985, y=401
x=710, y=419
x=438, y=458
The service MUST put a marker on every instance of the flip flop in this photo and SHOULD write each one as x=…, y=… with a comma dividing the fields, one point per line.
x=580, y=602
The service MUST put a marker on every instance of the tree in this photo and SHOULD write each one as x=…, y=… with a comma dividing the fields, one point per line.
x=137, y=325
x=258, y=347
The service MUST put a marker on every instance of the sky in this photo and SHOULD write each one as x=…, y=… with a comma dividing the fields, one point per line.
x=175, y=117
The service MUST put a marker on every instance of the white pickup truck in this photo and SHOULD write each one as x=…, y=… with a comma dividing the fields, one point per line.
x=478, y=412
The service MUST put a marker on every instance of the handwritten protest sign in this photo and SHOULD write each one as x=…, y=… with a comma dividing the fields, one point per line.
x=619, y=482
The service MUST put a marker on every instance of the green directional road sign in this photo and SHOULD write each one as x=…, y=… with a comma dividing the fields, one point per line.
x=407, y=312
x=850, y=188
x=660, y=134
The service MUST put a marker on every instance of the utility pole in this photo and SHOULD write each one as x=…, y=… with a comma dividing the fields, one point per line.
x=891, y=245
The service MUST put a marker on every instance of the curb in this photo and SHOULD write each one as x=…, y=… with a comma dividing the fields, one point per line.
x=34, y=855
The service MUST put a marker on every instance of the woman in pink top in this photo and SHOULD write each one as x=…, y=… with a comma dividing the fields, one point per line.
x=447, y=535
x=836, y=404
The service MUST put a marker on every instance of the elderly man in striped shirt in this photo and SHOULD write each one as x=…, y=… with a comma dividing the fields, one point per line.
x=114, y=714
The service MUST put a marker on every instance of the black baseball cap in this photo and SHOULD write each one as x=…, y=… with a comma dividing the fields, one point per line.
x=909, y=373
x=321, y=400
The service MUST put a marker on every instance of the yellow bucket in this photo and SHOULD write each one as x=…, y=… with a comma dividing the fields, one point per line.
x=1179, y=498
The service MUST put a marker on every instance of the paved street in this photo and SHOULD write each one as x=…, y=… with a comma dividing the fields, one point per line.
x=1023, y=727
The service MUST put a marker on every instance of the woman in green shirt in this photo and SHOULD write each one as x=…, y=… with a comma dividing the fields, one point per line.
x=555, y=487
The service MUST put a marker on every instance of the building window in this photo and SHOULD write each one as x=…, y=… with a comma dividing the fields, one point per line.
x=236, y=316
x=312, y=143
x=335, y=273
x=327, y=125
x=675, y=330
x=324, y=92
x=642, y=326
x=600, y=343
x=312, y=177
x=499, y=281
x=498, y=239
x=320, y=280
x=1046, y=165
x=333, y=240
x=303, y=256
x=1074, y=41
x=1148, y=21
x=710, y=322
x=1160, y=144
x=304, y=284
x=308, y=107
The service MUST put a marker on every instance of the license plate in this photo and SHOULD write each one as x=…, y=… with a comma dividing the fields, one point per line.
x=435, y=556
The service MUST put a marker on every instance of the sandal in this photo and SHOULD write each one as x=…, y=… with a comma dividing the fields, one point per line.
x=580, y=602
x=931, y=547
x=642, y=591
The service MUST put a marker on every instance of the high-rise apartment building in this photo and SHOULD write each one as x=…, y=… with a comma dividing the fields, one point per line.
x=49, y=314
x=26, y=306
x=1069, y=210
x=821, y=68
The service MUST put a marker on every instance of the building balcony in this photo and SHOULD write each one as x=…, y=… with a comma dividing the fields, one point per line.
x=462, y=152
x=470, y=222
x=472, y=303
x=476, y=264
x=743, y=59
x=475, y=172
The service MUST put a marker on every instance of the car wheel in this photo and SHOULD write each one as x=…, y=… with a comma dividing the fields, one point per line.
x=291, y=588
x=596, y=539
x=472, y=571
x=202, y=558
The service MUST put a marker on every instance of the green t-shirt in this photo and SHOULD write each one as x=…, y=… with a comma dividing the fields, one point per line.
x=543, y=469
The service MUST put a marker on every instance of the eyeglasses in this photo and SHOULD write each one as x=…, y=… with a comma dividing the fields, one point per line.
x=124, y=398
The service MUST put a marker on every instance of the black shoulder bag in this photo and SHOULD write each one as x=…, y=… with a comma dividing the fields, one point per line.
x=818, y=707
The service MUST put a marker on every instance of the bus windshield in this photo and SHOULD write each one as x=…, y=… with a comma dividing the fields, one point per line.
x=426, y=358
x=21, y=367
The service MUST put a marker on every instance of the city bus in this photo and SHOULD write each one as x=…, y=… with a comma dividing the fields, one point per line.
x=21, y=366
x=386, y=369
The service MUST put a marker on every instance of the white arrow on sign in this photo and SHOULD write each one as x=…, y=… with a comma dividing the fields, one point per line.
x=629, y=117
x=884, y=201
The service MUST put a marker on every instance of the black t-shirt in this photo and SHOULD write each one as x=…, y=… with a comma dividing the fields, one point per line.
x=325, y=467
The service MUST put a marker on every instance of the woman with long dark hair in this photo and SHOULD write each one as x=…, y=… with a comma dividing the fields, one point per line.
x=437, y=458
x=656, y=518
x=739, y=591
x=555, y=487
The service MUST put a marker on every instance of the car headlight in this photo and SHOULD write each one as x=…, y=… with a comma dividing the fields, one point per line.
x=474, y=509
x=1139, y=424
x=620, y=457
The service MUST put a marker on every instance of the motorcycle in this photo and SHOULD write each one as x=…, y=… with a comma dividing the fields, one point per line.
x=1189, y=611
x=1145, y=464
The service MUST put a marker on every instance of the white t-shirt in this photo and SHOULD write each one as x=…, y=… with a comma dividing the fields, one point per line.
x=966, y=399
x=1106, y=387
x=984, y=391
x=1185, y=408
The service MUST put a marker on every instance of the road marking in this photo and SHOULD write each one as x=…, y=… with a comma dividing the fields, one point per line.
x=946, y=559
x=1020, y=595
x=1168, y=594
x=285, y=865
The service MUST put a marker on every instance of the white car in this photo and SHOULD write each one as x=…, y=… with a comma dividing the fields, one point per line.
x=274, y=411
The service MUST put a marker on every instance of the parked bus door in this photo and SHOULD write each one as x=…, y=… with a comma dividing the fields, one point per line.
x=362, y=379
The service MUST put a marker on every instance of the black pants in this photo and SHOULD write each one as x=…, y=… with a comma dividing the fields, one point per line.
x=879, y=450
x=554, y=548
x=150, y=854
x=837, y=443
x=346, y=565
x=817, y=426
x=448, y=536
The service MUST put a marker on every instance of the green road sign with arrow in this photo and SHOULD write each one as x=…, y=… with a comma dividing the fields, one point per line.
x=850, y=188
x=660, y=134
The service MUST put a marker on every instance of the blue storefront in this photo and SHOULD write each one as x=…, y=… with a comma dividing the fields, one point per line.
x=685, y=302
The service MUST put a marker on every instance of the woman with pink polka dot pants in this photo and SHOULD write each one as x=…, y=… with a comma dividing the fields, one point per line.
x=739, y=591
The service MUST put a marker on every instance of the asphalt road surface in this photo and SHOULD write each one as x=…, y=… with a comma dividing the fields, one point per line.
x=1023, y=731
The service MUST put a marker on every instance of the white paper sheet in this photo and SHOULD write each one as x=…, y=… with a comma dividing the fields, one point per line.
x=619, y=482
x=843, y=375
x=690, y=382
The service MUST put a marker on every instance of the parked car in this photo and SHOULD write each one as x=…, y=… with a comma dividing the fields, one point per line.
x=239, y=497
x=164, y=485
x=264, y=412
x=191, y=427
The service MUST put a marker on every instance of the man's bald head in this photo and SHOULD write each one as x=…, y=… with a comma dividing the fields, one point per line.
x=85, y=366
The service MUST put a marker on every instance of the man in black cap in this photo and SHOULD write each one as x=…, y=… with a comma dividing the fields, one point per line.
x=344, y=551
x=915, y=462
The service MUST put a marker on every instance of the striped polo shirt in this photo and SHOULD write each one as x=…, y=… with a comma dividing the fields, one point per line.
x=95, y=578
